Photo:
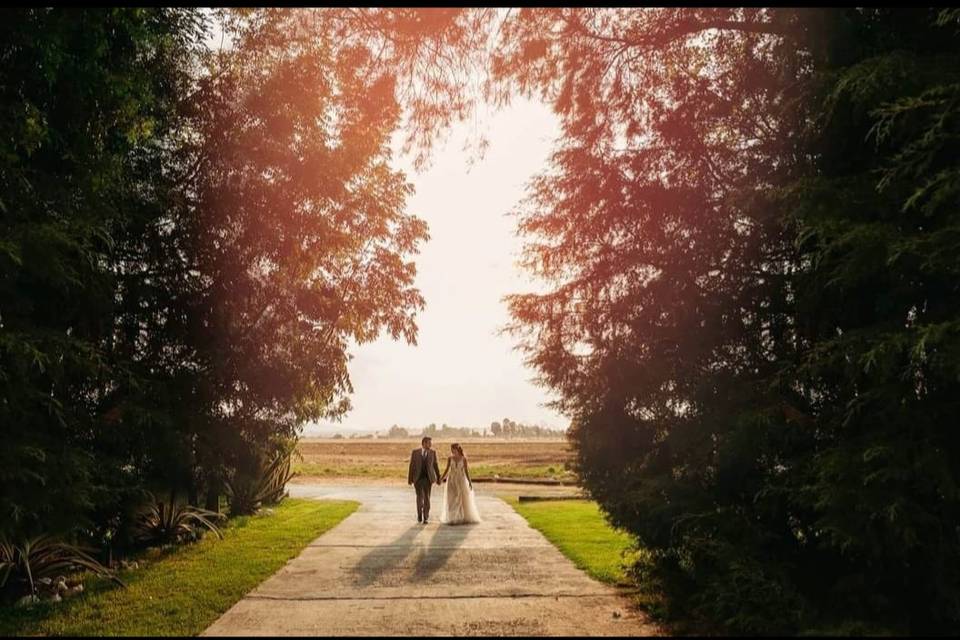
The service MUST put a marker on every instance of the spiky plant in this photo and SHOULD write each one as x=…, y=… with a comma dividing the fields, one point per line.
x=168, y=522
x=23, y=564
x=275, y=478
x=265, y=485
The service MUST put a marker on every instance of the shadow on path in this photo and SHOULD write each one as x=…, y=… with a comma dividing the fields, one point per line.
x=383, y=564
x=444, y=542
x=383, y=559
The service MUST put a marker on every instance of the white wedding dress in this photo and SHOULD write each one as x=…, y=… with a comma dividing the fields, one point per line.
x=459, y=504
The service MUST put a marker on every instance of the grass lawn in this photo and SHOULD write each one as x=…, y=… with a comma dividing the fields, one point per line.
x=579, y=530
x=183, y=590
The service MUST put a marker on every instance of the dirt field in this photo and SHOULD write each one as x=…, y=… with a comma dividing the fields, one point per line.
x=388, y=459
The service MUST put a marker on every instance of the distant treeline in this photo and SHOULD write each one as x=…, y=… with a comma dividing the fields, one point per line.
x=506, y=428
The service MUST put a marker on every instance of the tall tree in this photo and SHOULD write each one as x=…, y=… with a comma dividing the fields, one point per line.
x=878, y=315
x=296, y=227
x=87, y=98
x=665, y=323
x=190, y=243
x=752, y=311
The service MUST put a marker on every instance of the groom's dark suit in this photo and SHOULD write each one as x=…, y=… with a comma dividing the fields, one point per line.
x=424, y=471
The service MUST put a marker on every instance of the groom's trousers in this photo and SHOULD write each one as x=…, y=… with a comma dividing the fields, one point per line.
x=423, y=486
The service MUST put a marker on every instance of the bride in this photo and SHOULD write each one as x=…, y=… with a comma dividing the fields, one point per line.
x=459, y=506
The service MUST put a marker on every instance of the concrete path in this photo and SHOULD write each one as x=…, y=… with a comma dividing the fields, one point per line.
x=379, y=572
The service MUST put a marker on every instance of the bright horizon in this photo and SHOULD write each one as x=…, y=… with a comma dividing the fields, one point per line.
x=461, y=372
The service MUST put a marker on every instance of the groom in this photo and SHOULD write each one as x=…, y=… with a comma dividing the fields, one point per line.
x=424, y=471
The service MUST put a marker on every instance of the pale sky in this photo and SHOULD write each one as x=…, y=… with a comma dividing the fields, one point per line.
x=461, y=372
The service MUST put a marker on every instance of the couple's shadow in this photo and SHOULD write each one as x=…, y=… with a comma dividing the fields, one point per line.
x=383, y=563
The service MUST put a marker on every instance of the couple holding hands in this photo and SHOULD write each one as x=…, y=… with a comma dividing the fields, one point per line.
x=459, y=504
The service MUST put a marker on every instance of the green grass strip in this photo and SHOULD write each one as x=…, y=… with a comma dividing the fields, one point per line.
x=184, y=590
x=580, y=531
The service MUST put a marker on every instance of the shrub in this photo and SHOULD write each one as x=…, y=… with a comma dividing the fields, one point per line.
x=169, y=523
x=24, y=564
x=262, y=484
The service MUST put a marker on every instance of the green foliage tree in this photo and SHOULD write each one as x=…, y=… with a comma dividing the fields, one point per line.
x=666, y=318
x=190, y=239
x=877, y=313
x=749, y=229
x=88, y=100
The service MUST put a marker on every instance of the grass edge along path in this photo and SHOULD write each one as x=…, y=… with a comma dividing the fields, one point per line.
x=184, y=590
x=580, y=531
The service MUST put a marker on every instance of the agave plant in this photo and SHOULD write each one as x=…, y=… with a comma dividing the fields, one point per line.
x=247, y=492
x=168, y=522
x=276, y=476
x=23, y=565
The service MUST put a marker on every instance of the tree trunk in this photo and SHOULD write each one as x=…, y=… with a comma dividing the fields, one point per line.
x=213, y=497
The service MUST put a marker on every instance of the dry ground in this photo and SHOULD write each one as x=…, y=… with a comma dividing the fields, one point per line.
x=387, y=459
